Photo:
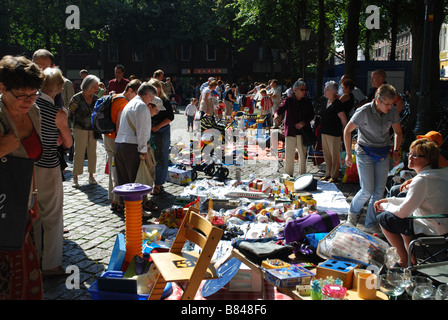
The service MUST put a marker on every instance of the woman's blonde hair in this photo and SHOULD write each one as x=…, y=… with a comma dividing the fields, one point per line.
x=53, y=80
x=386, y=91
x=429, y=149
x=159, y=85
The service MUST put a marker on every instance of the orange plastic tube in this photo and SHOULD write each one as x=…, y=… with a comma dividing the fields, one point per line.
x=133, y=234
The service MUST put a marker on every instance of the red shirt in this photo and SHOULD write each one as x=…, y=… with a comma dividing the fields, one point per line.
x=117, y=86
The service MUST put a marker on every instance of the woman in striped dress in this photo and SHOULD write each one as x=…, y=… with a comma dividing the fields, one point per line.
x=55, y=131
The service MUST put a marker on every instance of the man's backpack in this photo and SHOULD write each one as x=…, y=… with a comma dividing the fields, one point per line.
x=101, y=116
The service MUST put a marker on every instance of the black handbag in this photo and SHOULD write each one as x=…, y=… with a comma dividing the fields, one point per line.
x=15, y=185
x=308, y=136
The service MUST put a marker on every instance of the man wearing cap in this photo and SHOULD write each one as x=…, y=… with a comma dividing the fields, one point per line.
x=206, y=84
x=437, y=138
x=134, y=133
x=433, y=136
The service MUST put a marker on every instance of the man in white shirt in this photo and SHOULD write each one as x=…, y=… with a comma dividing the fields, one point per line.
x=134, y=132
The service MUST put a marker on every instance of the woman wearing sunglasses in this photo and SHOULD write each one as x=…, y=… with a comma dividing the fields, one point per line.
x=427, y=195
x=298, y=112
x=373, y=121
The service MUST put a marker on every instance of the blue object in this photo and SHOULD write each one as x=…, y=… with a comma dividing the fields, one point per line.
x=314, y=238
x=118, y=253
x=337, y=265
x=110, y=295
x=225, y=272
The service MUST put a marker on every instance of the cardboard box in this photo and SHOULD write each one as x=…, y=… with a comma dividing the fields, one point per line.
x=179, y=176
x=338, y=270
x=289, y=277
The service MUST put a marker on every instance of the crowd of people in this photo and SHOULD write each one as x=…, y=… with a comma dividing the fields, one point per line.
x=40, y=114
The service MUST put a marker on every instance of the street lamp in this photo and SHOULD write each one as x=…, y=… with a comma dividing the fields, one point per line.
x=305, y=33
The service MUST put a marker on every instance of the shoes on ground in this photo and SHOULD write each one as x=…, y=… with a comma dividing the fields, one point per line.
x=92, y=181
x=324, y=178
x=332, y=180
x=75, y=183
x=353, y=218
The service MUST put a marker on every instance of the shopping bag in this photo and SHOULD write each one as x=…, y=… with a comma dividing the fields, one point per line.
x=351, y=173
x=347, y=243
x=15, y=185
x=143, y=176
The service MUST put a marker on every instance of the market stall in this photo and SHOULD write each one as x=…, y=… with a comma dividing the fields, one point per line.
x=278, y=234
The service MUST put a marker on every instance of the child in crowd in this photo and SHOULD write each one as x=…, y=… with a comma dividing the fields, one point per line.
x=221, y=107
x=102, y=90
x=266, y=104
x=190, y=111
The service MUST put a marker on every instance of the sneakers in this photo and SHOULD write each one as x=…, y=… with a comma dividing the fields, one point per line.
x=353, y=218
x=92, y=181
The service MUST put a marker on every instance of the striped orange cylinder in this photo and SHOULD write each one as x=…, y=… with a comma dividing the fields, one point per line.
x=133, y=194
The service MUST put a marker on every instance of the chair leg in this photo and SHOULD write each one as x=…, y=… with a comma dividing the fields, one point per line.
x=191, y=289
x=158, y=288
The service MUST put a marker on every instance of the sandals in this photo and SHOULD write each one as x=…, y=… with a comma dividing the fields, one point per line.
x=157, y=190
x=150, y=206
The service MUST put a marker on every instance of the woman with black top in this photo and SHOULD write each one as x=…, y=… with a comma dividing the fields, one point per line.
x=333, y=121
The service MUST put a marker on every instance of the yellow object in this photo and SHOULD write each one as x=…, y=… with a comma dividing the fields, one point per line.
x=310, y=202
x=152, y=236
x=274, y=264
x=367, y=286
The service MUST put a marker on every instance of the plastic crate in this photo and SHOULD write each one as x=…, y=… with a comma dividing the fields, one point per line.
x=110, y=295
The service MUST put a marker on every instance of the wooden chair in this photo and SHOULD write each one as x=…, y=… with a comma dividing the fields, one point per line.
x=187, y=266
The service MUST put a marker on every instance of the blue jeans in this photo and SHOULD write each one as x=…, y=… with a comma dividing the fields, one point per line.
x=372, y=179
x=162, y=141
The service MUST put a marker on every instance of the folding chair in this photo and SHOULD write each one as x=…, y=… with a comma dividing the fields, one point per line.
x=431, y=254
x=187, y=266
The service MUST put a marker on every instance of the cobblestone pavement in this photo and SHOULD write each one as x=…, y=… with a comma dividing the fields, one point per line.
x=92, y=227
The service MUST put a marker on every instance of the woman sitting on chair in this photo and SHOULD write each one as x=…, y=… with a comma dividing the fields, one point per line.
x=427, y=195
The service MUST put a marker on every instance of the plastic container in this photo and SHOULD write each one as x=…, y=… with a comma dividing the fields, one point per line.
x=110, y=295
x=333, y=292
x=274, y=264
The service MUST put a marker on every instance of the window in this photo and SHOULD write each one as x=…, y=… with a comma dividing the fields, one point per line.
x=185, y=52
x=113, y=53
x=210, y=52
x=137, y=54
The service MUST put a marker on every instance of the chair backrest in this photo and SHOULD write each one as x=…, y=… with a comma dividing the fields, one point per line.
x=198, y=230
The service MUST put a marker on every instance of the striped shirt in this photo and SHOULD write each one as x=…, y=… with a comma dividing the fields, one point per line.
x=50, y=131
